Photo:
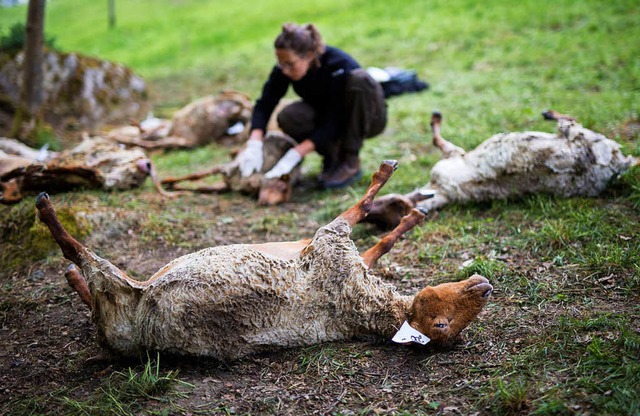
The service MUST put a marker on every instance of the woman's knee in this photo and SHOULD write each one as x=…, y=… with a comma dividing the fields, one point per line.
x=359, y=79
x=297, y=120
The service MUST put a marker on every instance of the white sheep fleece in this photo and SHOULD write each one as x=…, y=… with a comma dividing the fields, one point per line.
x=575, y=161
x=230, y=301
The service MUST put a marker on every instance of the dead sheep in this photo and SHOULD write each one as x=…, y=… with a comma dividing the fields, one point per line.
x=573, y=162
x=230, y=301
x=95, y=163
x=207, y=120
x=272, y=191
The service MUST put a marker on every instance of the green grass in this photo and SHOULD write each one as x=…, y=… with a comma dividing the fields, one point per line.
x=128, y=392
x=489, y=61
x=492, y=66
x=597, y=356
x=123, y=393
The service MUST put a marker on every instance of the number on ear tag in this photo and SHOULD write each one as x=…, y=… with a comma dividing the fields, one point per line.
x=407, y=334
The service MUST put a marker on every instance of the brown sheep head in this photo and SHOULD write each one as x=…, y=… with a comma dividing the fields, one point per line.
x=443, y=311
x=275, y=191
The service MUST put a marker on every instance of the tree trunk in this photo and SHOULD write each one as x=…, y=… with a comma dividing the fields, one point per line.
x=27, y=118
x=33, y=56
x=112, y=14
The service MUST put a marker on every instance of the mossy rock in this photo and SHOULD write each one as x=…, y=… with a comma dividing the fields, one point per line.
x=26, y=239
x=92, y=91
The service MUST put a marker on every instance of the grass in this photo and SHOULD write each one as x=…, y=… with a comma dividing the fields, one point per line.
x=327, y=362
x=126, y=393
x=123, y=393
x=487, y=62
x=599, y=354
x=561, y=333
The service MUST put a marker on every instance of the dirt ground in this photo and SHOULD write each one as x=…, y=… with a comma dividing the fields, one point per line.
x=47, y=339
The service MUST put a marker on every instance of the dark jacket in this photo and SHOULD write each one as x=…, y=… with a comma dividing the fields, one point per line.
x=322, y=87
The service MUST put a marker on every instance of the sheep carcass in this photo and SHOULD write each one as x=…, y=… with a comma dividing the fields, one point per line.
x=201, y=122
x=96, y=163
x=574, y=162
x=230, y=301
x=269, y=191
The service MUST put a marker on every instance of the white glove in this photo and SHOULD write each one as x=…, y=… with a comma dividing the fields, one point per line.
x=285, y=165
x=250, y=159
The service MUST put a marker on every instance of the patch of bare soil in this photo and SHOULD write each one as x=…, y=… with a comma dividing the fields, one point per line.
x=47, y=340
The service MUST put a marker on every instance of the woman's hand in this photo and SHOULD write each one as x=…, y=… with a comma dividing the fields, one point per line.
x=291, y=159
x=250, y=159
x=285, y=165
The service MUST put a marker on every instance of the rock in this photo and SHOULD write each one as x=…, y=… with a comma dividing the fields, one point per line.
x=80, y=91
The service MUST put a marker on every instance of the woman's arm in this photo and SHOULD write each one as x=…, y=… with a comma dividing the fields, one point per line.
x=257, y=134
x=305, y=147
x=273, y=90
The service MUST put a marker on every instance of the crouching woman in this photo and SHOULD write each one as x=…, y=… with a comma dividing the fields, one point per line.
x=340, y=106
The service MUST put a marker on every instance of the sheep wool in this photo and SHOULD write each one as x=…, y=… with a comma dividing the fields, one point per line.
x=575, y=161
x=247, y=301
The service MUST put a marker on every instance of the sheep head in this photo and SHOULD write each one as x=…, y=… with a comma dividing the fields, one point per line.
x=387, y=211
x=275, y=191
x=443, y=311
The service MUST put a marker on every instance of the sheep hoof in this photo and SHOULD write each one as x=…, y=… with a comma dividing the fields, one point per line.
x=392, y=163
x=427, y=193
x=41, y=198
x=424, y=211
x=436, y=117
x=548, y=115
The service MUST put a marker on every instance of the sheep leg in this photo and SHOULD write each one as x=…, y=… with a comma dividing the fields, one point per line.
x=151, y=170
x=218, y=187
x=71, y=248
x=420, y=195
x=356, y=213
x=215, y=188
x=193, y=177
x=407, y=223
x=448, y=149
x=171, y=142
x=77, y=283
